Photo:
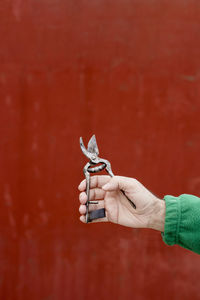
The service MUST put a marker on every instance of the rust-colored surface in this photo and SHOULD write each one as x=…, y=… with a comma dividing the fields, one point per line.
x=128, y=71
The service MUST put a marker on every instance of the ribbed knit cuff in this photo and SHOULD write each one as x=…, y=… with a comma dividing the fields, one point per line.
x=172, y=220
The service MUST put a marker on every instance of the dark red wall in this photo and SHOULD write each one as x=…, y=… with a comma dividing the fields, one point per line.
x=128, y=71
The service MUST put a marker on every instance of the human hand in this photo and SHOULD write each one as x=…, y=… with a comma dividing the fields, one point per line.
x=149, y=212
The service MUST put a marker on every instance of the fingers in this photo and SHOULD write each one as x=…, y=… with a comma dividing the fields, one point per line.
x=95, y=194
x=95, y=181
x=82, y=210
x=82, y=207
x=120, y=183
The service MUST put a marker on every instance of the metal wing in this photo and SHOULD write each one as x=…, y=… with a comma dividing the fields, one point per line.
x=92, y=146
x=84, y=150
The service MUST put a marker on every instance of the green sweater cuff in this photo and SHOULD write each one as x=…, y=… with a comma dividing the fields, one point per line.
x=182, y=222
x=172, y=220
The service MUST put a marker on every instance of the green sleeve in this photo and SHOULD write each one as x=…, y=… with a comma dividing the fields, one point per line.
x=182, y=222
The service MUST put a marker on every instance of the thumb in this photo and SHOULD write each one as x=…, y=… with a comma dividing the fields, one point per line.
x=120, y=183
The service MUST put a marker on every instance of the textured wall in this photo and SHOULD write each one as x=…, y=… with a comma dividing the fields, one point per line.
x=128, y=71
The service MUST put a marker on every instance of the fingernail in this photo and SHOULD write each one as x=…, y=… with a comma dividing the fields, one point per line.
x=81, y=195
x=106, y=186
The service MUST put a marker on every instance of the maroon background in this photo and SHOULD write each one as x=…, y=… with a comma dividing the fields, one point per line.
x=128, y=71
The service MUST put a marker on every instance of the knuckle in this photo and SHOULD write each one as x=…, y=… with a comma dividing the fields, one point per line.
x=134, y=180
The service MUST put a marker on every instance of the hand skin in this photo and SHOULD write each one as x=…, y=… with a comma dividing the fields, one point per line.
x=149, y=212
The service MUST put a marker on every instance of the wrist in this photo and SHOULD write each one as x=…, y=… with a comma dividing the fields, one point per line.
x=157, y=219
